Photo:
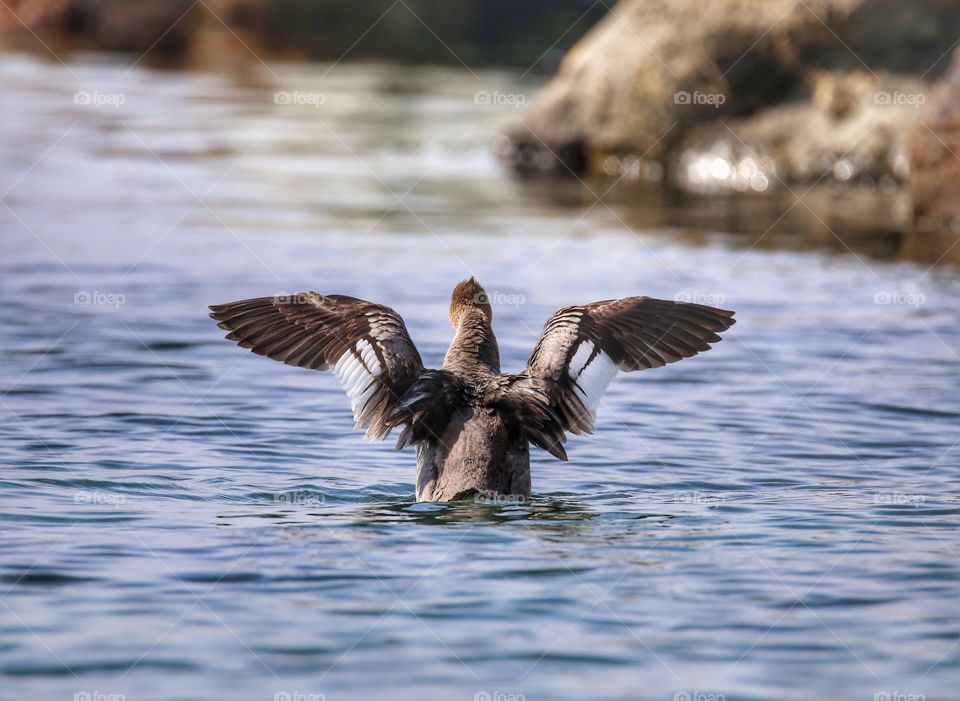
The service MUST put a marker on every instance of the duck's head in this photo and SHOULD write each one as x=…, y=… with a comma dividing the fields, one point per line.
x=469, y=295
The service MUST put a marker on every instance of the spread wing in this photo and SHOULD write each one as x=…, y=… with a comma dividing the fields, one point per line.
x=366, y=344
x=583, y=347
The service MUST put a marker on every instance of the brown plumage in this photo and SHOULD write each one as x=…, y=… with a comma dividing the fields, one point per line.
x=471, y=424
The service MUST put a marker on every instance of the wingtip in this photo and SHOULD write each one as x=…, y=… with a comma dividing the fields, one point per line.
x=729, y=314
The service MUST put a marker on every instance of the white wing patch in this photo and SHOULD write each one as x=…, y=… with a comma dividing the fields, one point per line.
x=591, y=371
x=358, y=369
x=579, y=361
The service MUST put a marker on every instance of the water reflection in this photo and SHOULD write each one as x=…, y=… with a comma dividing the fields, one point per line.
x=537, y=512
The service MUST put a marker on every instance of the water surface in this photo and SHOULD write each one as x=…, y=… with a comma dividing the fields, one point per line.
x=776, y=519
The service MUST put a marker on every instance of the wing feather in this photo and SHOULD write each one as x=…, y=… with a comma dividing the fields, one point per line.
x=583, y=347
x=366, y=344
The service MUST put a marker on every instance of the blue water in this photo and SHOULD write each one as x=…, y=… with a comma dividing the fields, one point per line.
x=775, y=519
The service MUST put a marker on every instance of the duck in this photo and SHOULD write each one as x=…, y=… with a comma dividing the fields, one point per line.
x=471, y=424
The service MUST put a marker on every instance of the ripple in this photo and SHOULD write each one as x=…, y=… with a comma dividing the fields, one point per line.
x=33, y=578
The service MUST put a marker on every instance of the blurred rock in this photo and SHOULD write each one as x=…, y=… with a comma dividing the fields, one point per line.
x=934, y=182
x=107, y=24
x=652, y=69
x=788, y=90
x=474, y=32
x=853, y=130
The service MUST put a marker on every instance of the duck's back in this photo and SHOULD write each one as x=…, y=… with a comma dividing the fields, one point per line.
x=476, y=454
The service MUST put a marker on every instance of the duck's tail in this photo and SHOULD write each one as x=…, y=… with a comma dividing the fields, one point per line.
x=523, y=401
x=426, y=407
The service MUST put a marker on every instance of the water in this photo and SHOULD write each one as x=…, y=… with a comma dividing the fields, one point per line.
x=775, y=519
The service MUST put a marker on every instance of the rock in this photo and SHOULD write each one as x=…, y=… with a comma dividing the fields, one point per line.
x=647, y=72
x=477, y=32
x=934, y=181
x=854, y=129
x=107, y=24
x=776, y=81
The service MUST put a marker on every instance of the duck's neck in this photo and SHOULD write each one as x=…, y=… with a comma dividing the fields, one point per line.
x=474, y=347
